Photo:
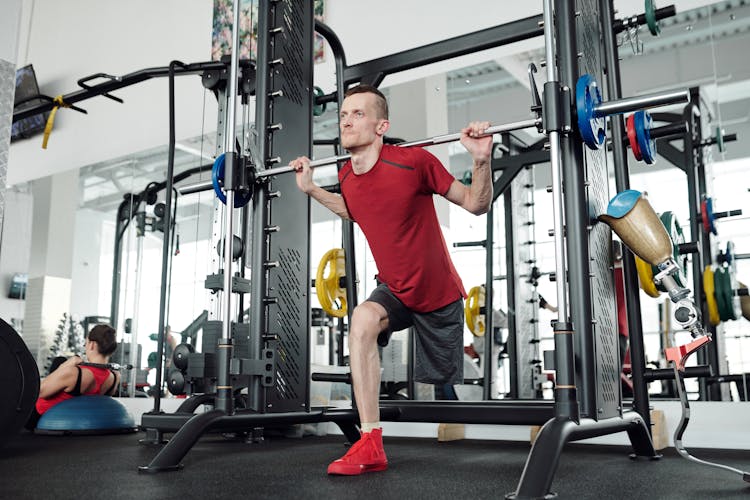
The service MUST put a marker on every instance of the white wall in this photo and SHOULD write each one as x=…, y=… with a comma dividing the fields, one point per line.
x=69, y=40
x=9, y=22
x=16, y=246
x=66, y=41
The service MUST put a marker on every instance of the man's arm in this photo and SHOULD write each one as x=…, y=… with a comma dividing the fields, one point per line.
x=477, y=197
x=332, y=201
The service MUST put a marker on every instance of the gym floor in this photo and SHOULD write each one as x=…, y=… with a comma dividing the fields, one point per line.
x=95, y=467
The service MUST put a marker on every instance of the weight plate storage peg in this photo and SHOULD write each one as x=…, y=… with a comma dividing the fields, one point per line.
x=720, y=140
x=646, y=145
x=591, y=126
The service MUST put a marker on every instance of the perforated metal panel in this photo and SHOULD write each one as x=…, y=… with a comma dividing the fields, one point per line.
x=7, y=94
x=603, y=303
x=526, y=331
x=289, y=282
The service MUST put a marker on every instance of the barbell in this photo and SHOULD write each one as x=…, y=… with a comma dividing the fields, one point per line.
x=590, y=107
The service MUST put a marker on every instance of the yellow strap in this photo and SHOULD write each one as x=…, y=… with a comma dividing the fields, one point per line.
x=51, y=120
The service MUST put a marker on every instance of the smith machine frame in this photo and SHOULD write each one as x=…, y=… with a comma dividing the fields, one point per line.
x=587, y=398
x=275, y=366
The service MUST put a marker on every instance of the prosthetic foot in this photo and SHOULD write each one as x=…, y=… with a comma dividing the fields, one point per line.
x=677, y=357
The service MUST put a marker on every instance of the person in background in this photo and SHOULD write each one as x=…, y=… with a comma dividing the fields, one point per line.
x=69, y=380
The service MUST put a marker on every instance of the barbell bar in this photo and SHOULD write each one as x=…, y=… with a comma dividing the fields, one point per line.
x=332, y=160
x=600, y=109
x=432, y=141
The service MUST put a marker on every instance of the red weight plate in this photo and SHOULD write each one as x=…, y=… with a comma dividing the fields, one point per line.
x=632, y=138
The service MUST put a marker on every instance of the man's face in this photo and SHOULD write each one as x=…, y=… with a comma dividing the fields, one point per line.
x=359, y=122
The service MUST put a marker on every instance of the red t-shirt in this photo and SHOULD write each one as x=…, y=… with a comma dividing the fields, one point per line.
x=392, y=203
x=100, y=376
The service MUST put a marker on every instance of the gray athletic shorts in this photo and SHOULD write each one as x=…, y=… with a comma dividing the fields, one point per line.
x=439, y=337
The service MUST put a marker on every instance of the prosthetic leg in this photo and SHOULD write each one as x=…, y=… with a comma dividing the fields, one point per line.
x=631, y=216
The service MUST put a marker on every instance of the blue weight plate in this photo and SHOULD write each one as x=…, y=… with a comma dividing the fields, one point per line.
x=590, y=125
x=646, y=144
x=217, y=180
x=710, y=213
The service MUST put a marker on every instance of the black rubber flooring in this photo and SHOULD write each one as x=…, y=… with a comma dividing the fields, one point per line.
x=105, y=467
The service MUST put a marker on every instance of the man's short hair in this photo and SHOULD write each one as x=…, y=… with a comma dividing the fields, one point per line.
x=381, y=103
x=105, y=338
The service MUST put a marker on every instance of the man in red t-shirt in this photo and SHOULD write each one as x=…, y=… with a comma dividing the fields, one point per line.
x=388, y=191
x=70, y=380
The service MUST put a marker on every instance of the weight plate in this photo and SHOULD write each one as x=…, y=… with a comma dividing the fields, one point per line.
x=591, y=126
x=729, y=254
x=709, y=292
x=710, y=215
x=176, y=382
x=734, y=285
x=318, y=109
x=217, y=180
x=20, y=382
x=653, y=24
x=633, y=138
x=744, y=303
x=720, y=140
x=646, y=277
x=704, y=217
x=723, y=291
x=475, y=321
x=331, y=295
x=646, y=145
x=180, y=356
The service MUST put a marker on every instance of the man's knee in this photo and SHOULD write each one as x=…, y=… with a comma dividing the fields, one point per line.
x=367, y=321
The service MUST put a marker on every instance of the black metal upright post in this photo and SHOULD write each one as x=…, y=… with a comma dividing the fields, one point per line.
x=260, y=247
x=510, y=287
x=490, y=363
x=576, y=224
x=696, y=182
x=622, y=182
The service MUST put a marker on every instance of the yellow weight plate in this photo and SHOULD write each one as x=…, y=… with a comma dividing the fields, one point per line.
x=331, y=295
x=646, y=277
x=474, y=302
x=710, y=292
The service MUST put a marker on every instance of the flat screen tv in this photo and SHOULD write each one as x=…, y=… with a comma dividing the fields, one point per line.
x=18, y=283
x=27, y=88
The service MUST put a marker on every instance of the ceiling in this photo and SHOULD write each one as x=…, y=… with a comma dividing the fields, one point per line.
x=706, y=46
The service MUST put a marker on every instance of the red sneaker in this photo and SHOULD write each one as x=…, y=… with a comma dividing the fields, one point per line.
x=366, y=455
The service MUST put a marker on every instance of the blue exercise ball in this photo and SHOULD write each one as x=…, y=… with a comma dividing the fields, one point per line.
x=87, y=415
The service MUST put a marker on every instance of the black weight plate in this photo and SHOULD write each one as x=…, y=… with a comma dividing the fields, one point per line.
x=180, y=356
x=20, y=382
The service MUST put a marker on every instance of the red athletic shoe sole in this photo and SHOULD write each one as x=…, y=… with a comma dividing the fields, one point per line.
x=343, y=469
